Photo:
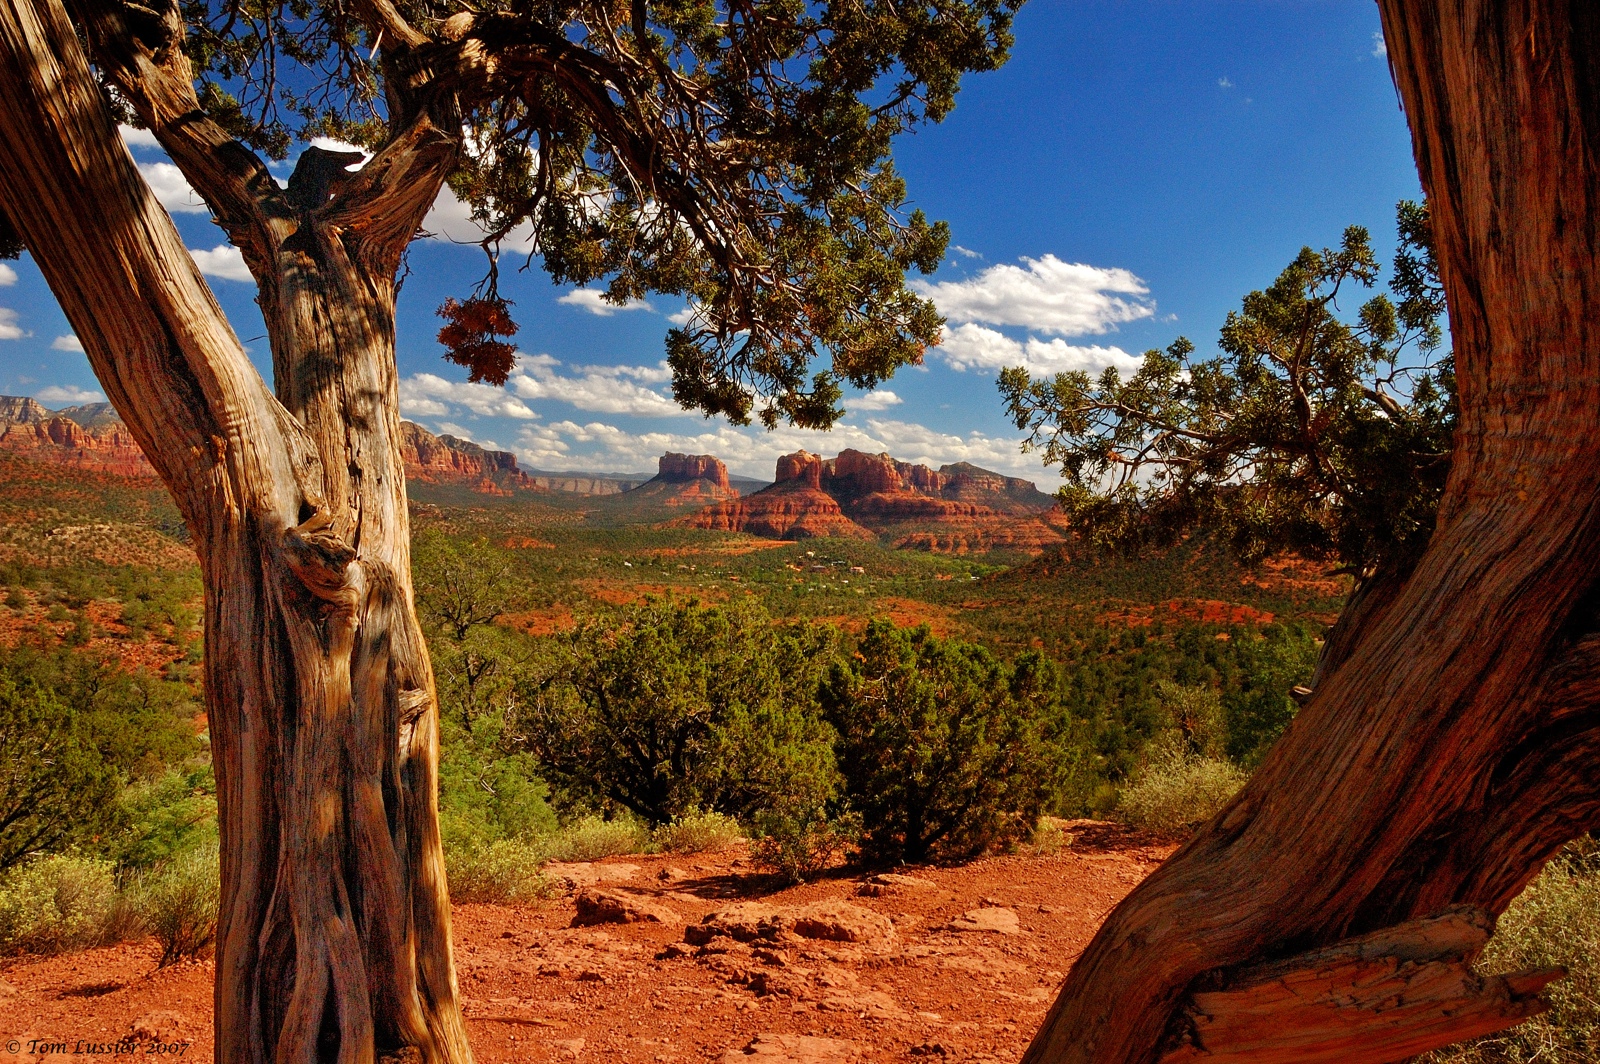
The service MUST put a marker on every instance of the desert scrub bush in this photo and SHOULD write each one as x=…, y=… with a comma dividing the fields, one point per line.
x=945, y=751
x=179, y=902
x=673, y=707
x=54, y=782
x=1049, y=837
x=1554, y=921
x=505, y=871
x=590, y=838
x=1178, y=789
x=797, y=846
x=58, y=902
x=697, y=832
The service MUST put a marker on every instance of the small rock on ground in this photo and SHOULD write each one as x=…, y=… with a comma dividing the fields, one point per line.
x=995, y=919
x=832, y=921
x=612, y=907
x=793, y=1049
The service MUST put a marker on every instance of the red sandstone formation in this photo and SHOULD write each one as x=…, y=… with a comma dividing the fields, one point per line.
x=61, y=441
x=957, y=508
x=693, y=480
x=431, y=459
x=794, y=507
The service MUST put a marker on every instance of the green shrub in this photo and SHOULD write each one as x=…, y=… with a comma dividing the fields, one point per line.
x=1049, y=837
x=676, y=707
x=698, y=832
x=1178, y=789
x=161, y=818
x=797, y=847
x=1555, y=921
x=60, y=902
x=180, y=901
x=591, y=838
x=54, y=782
x=945, y=751
x=505, y=872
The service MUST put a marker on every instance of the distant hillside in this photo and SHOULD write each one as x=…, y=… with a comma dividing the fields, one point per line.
x=93, y=437
x=954, y=509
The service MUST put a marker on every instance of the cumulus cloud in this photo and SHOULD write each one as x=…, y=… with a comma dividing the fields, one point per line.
x=1046, y=295
x=877, y=399
x=172, y=188
x=138, y=138
x=68, y=395
x=9, y=329
x=603, y=389
x=974, y=347
x=428, y=395
x=69, y=342
x=8, y=276
x=566, y=445
x=592, y=300
x=1380, y=47
x=223, y=262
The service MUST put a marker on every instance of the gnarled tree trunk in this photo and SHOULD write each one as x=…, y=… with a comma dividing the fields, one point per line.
x=1456, y=746
x=334, y=940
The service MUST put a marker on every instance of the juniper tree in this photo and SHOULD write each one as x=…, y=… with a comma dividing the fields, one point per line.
x=735, y=154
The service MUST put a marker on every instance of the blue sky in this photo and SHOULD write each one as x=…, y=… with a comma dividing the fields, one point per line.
x=1132, y=172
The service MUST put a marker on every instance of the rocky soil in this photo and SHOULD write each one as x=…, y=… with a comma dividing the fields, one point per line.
x=693, y=958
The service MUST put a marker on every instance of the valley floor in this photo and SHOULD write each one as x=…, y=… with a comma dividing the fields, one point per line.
x=949, y=963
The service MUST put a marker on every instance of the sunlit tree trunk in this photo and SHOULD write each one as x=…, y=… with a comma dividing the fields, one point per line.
x=334, y=942
x=1457, y=745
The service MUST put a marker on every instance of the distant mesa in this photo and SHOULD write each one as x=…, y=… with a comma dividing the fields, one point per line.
x=92, y=437
x=431, y=459
x=685, y=480
x=79, y=437
x=956, y=508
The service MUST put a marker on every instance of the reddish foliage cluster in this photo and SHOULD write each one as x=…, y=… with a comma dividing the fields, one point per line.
x=469, y=337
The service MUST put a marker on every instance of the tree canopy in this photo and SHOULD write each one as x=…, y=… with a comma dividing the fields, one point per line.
x=1308, y=432
x=734, y=153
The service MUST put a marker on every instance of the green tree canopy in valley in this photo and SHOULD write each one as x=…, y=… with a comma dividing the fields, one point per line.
x=681, y=707
x=1307, y=433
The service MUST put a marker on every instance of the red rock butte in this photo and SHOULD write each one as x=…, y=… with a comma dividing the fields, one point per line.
x=955, y=508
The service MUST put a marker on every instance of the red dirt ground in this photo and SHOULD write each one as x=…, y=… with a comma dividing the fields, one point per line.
x=537, y=989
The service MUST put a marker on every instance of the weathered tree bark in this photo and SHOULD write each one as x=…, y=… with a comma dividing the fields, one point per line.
x=1457, y=745
x=334, y=941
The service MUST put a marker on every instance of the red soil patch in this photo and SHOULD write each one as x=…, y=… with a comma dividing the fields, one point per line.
x=534, y=988
x=550, y=621
x=1205, y=611
x=635, y=594
x=1298, y=574
x=112, y=638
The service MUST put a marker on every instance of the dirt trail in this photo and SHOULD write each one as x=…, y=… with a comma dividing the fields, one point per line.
x=947, y=964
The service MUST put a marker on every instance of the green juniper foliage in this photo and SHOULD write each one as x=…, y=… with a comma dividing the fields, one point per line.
x=677, y=708
x=945, y=751
x=737, y=155
x=1308, y=433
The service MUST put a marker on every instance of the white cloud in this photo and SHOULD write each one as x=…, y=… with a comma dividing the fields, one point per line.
x=427, y=395
x=8, y=276
x=450, y=221
x=172, y=188
x=68, y=395
x=222, y=261
x=69, y=342
x=602, y=389
x=681, y=317
x=966, y=253
x=1380, y=47
x=138, y=138
x=596, y=445
x=1049, y=296
x=1224, y=83
x=974, y=347
x=877, y=399
x=9, y=329
x=592, y=300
